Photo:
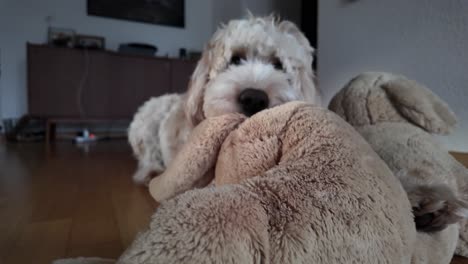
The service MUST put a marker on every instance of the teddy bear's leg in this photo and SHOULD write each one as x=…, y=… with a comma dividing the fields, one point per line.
x=435, y=207
x=211, y=225
x=194, y=163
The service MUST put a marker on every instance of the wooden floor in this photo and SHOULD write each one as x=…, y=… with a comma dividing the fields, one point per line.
x=462, y=158
x=67, y=202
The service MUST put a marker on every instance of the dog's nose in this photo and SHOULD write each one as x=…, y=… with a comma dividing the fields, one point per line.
x=253, y=101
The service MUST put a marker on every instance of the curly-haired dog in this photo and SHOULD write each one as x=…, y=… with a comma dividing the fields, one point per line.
x=249, y=65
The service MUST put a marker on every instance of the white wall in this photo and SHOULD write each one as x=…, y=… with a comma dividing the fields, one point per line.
x=225, y=10
x=24, y=20
x=426, y=40
x=290, y=9
x=1, y=79
x=2, y=6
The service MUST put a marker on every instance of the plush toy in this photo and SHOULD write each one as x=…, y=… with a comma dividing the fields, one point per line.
x=293, y=184
x=397, y=117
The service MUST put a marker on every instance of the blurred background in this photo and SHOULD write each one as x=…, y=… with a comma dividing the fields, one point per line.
x=73, y=73
x=424, y=40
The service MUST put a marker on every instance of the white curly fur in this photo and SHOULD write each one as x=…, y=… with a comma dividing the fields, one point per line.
x=162, y=124
x=152, y=143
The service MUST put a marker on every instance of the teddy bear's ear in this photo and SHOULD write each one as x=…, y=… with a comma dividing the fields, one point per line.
x=420, y=106
x=352, y=103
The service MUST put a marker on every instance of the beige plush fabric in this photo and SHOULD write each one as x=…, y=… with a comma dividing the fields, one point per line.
x=396, y=116
x=294, y=184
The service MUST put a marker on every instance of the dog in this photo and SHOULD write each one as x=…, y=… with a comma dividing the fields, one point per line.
x=249, y=65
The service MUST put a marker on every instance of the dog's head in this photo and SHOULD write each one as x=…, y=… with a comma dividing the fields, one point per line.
x=250, y=65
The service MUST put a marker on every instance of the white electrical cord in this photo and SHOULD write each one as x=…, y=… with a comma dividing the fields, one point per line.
x=82, y=84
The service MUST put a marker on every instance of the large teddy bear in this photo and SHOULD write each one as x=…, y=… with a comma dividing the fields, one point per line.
x=397, y=116
x=293, y=184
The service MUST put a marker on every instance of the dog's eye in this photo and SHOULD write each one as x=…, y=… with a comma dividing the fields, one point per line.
x=236, y=60
x=277, y=64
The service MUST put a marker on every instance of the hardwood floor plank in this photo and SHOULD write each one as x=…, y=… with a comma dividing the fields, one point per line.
x=68, y=201
x=56, y=196
x=40, y=242
x=132, y=216
x=463, y=159
x=459, y=260
x=86, y=193
x=94, y=230
x=11, y=225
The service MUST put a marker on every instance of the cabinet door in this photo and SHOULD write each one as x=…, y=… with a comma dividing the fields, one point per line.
x=122, y=83
x=180, y=74
x=92, y=84
x=96, y=98
x=54, y=78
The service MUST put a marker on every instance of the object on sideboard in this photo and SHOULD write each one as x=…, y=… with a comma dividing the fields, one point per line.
x=61, y=37
x=138, y=49
x=90, y=42
x=194, y=55
x=182, y=53
x=26, y=129
x=189, y=55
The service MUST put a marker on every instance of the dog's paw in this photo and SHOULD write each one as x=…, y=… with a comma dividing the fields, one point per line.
x=143, y=176
x=436, y=207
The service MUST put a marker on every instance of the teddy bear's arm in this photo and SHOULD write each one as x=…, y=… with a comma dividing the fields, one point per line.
x=194, y=163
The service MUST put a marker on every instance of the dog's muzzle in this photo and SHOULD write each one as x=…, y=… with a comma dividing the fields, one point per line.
x=253, y=101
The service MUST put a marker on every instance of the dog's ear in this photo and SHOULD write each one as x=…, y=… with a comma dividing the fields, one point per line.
x=308, y=86
x=196, y=88
x=420, y=106
x=290, y=28
x=306, y=75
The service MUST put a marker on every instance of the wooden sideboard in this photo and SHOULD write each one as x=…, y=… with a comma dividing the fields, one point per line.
x=83, y=85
